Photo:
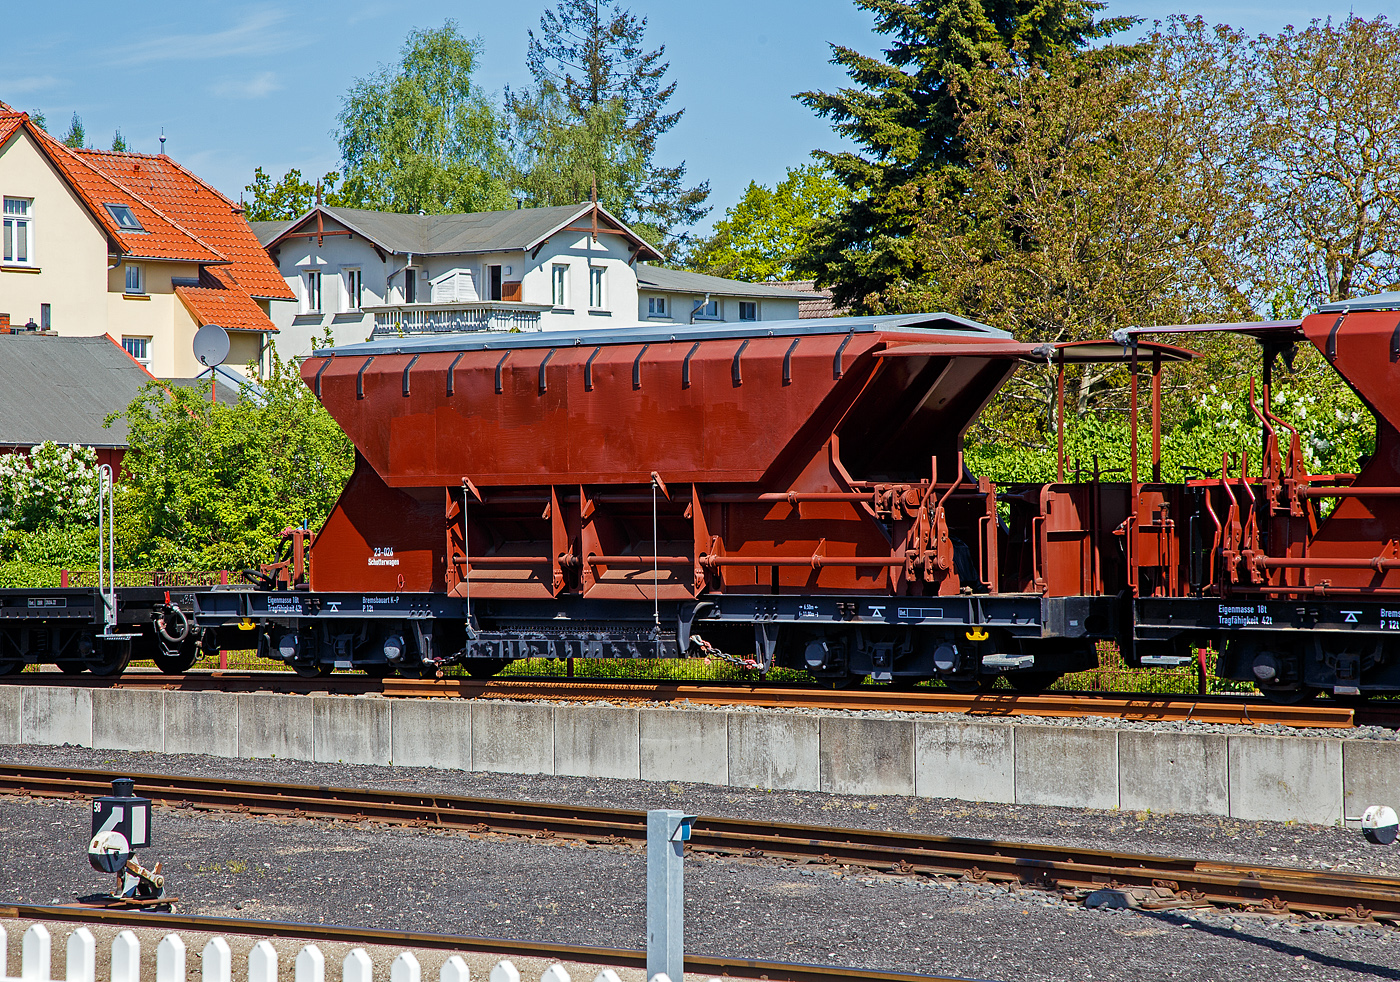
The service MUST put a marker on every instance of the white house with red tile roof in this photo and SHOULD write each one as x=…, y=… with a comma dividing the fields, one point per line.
x=129, y=245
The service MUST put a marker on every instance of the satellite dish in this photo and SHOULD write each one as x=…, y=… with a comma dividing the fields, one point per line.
x=211, y=345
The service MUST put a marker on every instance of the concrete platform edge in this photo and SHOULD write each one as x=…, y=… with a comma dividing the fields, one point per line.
x=1245, y=775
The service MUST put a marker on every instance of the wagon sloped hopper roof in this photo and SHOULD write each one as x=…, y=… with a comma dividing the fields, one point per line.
x=1389, y=300
x=1261, y=331
x=724, y=403
x=956, y=329
x=1097, y=352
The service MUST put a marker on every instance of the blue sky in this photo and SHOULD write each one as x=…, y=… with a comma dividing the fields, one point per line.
x=238, y=85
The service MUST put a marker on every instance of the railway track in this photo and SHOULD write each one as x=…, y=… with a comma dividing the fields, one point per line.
x=1147, y=707
x=704, y=965
x=1158, y=882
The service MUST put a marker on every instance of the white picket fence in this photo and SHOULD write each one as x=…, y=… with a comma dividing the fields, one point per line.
x=217, y=959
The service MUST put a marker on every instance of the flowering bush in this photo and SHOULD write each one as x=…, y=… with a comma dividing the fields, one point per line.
x=53, y=485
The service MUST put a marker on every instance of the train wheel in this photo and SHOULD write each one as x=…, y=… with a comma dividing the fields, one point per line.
x=313, y=671
x=72, y=667
x=176, y=662
x=1287, y=695
x=110, y=658
x=12, y=667
x=1032, y=683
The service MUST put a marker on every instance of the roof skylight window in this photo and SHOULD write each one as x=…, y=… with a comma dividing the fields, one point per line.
x=121, y=214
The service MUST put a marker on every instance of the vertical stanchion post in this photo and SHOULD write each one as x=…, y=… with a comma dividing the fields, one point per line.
x=223, y=652
x=667, y=833
x=106, y=549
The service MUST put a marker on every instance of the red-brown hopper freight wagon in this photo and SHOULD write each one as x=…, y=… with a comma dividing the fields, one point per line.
x=792, y=492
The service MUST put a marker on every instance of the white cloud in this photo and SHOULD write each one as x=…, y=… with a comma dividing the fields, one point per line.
x=248, y=86
x=32, y=83
x=255, y=35
x=369, y=11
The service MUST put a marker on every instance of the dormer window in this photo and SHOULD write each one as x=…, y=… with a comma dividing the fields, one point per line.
x=122, y=215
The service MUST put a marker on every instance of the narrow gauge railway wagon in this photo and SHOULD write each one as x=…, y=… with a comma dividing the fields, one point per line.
x=69, y=627
x=795, y=493
x=792, y=492
x=1298, y=597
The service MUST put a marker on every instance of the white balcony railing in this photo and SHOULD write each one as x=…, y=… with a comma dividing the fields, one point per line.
x=453, y=318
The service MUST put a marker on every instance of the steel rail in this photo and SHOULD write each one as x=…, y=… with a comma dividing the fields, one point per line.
x=707, y=965
x=1145, y=707
x=1170, y=881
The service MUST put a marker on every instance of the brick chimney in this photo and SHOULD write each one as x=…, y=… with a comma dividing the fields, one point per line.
x=4, y=323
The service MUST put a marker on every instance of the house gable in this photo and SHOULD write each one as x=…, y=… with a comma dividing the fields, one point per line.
x=65, y=272
x=184, y=255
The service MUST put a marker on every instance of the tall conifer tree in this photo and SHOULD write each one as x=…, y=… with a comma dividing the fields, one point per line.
x=599, y=105
x=902, y=113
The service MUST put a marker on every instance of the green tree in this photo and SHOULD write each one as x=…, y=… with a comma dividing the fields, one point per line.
x=211, y=486
x=903, y=115
x=567, y=158
x=289, y=197
x=421, y=135
x=118, y=142
x=48, y=513
x=767, y=232
x=1331, y=156
x=599, y=91
x=1212, y=421
x=76, y=136
x=1068, y=217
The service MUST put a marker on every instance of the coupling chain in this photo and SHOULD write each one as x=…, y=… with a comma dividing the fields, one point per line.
x=710, y=651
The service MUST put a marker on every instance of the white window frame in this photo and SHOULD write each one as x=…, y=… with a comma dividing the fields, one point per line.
x=712, y=311
x=138, y=348
x=559, y=284
x=14, y=222
x=656, y=306
x=354, y=287
x=135, y=280
x=597, y=287
x=311, y=297
x=752, y=305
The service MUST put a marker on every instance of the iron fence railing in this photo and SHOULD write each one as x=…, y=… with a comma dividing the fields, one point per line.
x=166, y=577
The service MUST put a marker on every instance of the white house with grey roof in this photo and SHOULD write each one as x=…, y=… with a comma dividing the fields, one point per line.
x=358, y=274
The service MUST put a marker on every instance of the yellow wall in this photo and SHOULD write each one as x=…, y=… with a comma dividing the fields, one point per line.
x=157, y=314
x=69, y=248
x=243, y=347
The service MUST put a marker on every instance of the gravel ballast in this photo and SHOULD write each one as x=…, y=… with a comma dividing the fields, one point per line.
x=547, y=890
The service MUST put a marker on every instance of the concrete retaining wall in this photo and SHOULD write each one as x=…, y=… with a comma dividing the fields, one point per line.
x=1251, y=776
